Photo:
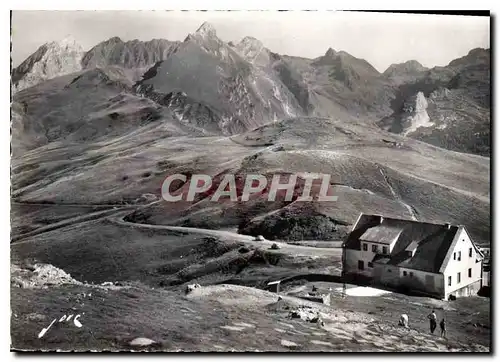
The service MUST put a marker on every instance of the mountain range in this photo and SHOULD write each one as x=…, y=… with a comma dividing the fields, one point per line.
x=225, y=88
x=108, y=125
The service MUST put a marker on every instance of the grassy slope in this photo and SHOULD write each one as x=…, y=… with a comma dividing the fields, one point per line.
x=199, y=322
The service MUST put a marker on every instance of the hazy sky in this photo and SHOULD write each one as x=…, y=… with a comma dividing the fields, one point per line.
x=381, y=39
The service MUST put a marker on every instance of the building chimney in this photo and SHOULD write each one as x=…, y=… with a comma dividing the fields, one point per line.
x=381, y=219
x=448, y=226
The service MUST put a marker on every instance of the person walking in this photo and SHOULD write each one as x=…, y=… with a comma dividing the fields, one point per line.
x=442, y=325
x=433, y=321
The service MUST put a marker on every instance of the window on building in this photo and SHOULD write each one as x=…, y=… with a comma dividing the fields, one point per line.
x=365, y=247
x=449, y=281
x=470, y=252
x=384, y=249
x=459, y=256
x=361, y=265
x=374, y=248
x=470, y=272
x=454, y=256
x=370, y=265
x=411, y=274
x=389, y=270
x=458, y=278
x=404, y=273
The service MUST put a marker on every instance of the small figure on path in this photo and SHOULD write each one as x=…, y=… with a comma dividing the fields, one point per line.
x=442, y=325
x=433, y=321
x=403, y=321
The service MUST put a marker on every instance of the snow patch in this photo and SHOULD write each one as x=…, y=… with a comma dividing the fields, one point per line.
x=364, y=291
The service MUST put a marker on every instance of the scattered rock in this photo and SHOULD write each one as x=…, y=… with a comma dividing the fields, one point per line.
x=107, y=284
x=243, y=250
x=40, y=276
x=275, y=246
x=36, y=317
x=289, y=344
x=192, y=287
x=307, y=314
x=259, y=238
x=142, y=342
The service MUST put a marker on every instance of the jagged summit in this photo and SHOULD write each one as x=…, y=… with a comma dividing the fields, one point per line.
x=130, y=54
x=206, y=32
x=114, y=39
x=250, y=40
x=330, y=52
x=253, y=50
x=206, y=29
x=49, y=61
x=67, y=41
x=410, y=66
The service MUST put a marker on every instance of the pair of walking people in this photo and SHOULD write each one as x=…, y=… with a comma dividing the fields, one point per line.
x=433, y=324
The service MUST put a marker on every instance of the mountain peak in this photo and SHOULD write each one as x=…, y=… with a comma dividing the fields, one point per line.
x=68, y=40
x=114, y=39
x=206, y=29
x=330, y=52
x=49, y=61
x=408, y=67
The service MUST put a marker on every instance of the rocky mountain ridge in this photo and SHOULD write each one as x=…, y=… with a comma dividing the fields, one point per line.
x=230, y=88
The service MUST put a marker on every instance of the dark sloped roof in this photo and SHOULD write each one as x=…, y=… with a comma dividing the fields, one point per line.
x=432, y=240
x=382, y=234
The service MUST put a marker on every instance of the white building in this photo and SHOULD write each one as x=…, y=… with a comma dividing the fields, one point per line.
x=433, y=259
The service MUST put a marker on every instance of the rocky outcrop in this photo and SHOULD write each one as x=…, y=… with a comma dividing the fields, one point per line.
x=49, y=61
x=209, y=85
x=130, y=54
x=415, y=110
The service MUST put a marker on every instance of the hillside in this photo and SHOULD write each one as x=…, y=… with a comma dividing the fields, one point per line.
x=95, y=134
x=454, y=107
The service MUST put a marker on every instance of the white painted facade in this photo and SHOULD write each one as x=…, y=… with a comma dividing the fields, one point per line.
x=464, y=259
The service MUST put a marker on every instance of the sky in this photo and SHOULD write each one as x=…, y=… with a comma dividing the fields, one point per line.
x=380, y=38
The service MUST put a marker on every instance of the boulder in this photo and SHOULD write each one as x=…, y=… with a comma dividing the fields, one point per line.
x=192, y=287
x=142, y=342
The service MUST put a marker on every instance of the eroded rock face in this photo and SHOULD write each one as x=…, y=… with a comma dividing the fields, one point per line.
x=212, y=86
x=416, y=110
x=49, y=61
x=130, y=54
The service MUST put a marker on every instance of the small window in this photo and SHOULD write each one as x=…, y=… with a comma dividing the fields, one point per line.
x=470, y=252
x=454, y=256
x=411, y=274
x=470, y=272
x=458, y=278
x=405, y=273
x=389, y=270
x=365, y=247
x=361, y=265
x=370, y=265
x=449, y=281
x=384, y=249
x=374, y=248
x=459, y=256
